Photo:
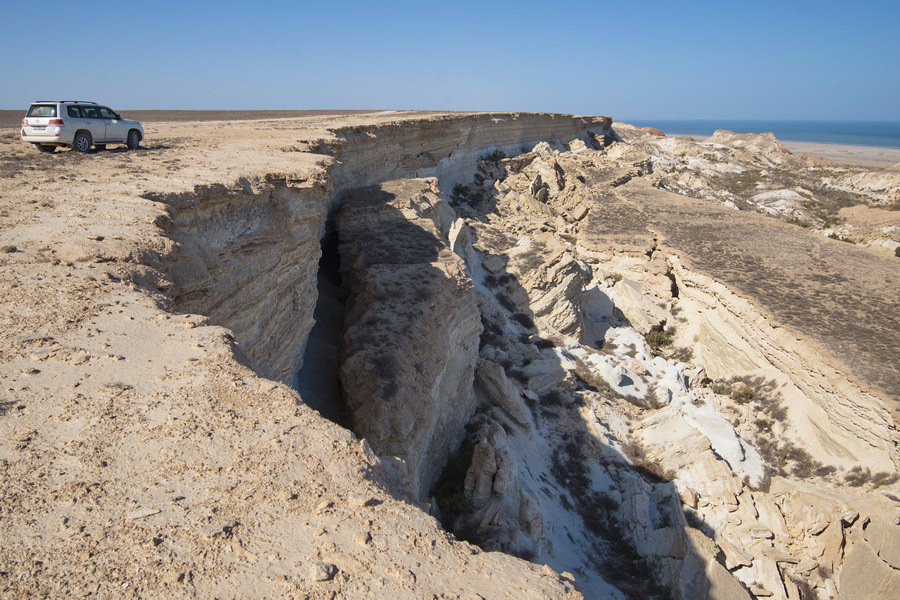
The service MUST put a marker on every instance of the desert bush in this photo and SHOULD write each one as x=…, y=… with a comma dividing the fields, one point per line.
x=787, y=458
x=651, y=470
x=534, y=258
x=683, y=354
x=543, y=343
x=884, y=478
x=840, y=238
x=589, y=379
x=897, y=251
x=857, y=476
x=824, y=471
x=742, y=393
x=490, y=280
x=495, y=156
x=505, y=302
x=517, y=375
x=659, y=338
x=799, y=222
x=763, y=425
x=524, y=320
x=804, y=465
x=460, y=190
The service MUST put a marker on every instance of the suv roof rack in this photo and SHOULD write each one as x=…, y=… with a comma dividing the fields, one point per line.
x=77, y=101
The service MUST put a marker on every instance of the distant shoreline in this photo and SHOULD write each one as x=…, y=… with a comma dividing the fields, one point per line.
x=845, y=154
x=881, y=134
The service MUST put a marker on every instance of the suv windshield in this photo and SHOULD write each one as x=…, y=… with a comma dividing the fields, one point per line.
x=42, y=110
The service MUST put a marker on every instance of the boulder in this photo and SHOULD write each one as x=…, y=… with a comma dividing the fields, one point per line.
x=734, y=555
x=865, y=577
x=492, y=382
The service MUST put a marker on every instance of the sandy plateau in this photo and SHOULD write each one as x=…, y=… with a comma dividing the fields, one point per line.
x=410, y=355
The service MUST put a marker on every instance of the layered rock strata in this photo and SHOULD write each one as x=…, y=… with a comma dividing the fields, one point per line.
x=447, y=147
x=247, y=257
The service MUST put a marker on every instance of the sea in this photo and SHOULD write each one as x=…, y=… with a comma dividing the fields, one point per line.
x=883, y=134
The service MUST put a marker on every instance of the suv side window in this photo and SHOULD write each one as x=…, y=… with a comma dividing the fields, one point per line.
x=74, y=111
x=107, y=113
x=90, y=112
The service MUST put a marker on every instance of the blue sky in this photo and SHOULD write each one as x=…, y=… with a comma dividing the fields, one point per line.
x=633, y=60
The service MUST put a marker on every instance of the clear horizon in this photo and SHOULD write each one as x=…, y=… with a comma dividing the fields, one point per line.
x=813, y=61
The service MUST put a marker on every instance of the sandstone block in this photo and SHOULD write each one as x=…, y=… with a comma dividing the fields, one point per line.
x=492, y=382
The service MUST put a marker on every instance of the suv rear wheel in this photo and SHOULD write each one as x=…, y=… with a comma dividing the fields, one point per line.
x=134, y=139
x=82, y=142
x=45, y=147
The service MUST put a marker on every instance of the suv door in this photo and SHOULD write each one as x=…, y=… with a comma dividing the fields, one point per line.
x=115, y=129
x=90, y=120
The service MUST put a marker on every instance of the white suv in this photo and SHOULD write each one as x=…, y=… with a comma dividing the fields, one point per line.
x=78, y=124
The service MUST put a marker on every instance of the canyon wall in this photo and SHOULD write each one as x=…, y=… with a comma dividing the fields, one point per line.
x=447, y=147
x=247, y=257
x=411, y=328
x=248, y=252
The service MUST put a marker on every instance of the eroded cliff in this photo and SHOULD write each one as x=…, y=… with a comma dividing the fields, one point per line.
x=531, y=336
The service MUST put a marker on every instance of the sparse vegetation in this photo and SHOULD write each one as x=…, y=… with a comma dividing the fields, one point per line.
x=589, y=379
x=651, y=470
x=840, y=238
x=523, y=320
x=495, y=156
x=505, y=302
x=682, y=354
x=534, y=258
x=542, y=343
x=615, y=555
x=659, y=338
x=782, y=457
x=859, y=476
x=795, y=220
x=460, y=190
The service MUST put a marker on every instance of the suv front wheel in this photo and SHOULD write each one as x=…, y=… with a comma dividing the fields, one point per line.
x=134, y=139
x=82, y=142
